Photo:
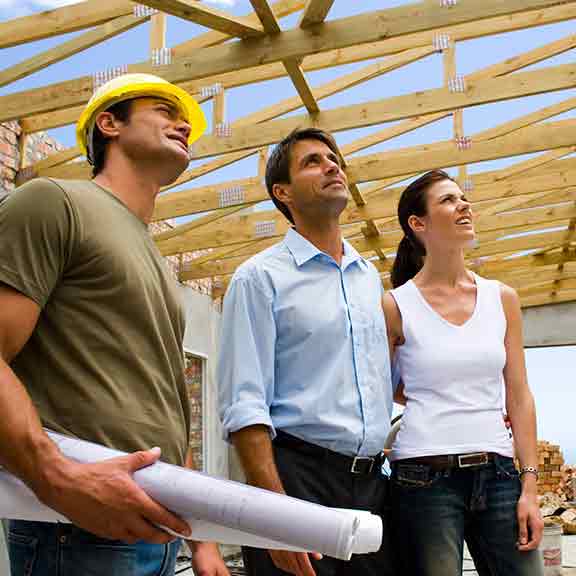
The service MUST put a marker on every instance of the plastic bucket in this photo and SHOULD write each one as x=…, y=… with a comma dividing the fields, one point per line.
x=551, y=548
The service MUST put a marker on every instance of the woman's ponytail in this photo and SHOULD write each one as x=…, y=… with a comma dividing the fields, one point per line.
x=409, y=259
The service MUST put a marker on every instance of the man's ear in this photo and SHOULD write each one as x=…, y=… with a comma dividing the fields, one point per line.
x=282, y=193
x=416, y=223
x=108, y=124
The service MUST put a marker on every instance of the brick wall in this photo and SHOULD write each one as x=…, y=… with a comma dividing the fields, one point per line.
x=9, y=155
x=37, y=146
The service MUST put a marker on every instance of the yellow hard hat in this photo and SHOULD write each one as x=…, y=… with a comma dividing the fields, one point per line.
x=129, y=86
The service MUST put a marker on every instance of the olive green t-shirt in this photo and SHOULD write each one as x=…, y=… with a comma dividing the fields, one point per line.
x=105, y=360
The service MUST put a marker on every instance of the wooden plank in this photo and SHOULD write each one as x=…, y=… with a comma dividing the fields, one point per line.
x=301, y=84
x=199, y=13
x=201, y=199
x=494, y=268
x=444, y=154
x=266, y=15
x=395, y=108
x=157, y=32
x=69, y=48
x=54, y=119
x=334, y=35
x=315, y=12
x=197, y=223
x=527, y=120
x=61, y=21
x=551, y=286
x=545, y=298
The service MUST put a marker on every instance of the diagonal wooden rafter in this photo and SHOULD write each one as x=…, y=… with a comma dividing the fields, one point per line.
x=291, y=65
x=199, y=13
x=314, y=12
x=69, y=48
x=61, y=21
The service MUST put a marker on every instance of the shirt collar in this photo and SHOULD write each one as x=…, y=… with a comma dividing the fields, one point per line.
x=303, y=250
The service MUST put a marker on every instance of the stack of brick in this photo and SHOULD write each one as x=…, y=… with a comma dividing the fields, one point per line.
x=567, y=485
x=550, y=463
x=9, y=156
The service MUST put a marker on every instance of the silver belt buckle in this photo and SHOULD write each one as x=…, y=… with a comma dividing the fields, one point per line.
x=357, y=459
x=463, y=457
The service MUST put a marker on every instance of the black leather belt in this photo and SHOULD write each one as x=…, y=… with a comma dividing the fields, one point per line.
x=449, y=461
x=361, y=465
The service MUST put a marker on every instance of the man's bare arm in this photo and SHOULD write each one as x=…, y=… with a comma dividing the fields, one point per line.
x=101, y=498
x=256, y=455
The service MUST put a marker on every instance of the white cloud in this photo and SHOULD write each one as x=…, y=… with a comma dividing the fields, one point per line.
x=16, y=8
x=229, y=3
x=49, y=4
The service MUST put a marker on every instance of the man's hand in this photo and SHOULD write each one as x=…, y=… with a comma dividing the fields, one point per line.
x=103, y=498
x=206, y=559
x=297, y=563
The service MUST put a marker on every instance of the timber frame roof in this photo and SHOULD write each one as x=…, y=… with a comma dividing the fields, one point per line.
x=526, y=212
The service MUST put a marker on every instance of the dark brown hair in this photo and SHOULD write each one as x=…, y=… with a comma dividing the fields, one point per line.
x=410, y=254
x=278, y=165
x=121, y=111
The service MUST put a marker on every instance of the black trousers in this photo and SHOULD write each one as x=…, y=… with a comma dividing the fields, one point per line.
x=305, y=476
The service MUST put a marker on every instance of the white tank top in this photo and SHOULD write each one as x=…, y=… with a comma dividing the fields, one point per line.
x=452, y=376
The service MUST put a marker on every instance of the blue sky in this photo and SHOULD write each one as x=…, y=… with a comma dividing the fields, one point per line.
x=550, y=372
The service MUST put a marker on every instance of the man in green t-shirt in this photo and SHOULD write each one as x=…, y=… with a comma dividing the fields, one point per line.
x=91, y=332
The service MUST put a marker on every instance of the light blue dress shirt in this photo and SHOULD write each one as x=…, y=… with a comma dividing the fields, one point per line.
x=304, y=348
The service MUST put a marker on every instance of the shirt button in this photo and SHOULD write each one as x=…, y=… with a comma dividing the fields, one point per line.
x=62, y=539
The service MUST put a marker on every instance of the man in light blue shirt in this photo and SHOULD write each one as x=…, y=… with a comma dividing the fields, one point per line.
x=304, y=374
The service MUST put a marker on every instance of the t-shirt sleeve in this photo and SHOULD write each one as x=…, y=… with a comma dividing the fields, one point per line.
x=37, y=233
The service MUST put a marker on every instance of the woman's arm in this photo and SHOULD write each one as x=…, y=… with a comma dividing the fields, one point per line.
x=395, y=338
x=522, y=414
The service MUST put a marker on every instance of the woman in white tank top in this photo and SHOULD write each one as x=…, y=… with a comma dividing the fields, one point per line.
x=457, y=342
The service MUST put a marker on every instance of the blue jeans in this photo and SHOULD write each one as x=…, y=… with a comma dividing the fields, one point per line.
x=44, y=549
x=434, y=512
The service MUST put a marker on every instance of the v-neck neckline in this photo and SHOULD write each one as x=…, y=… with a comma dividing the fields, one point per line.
x=439, y=316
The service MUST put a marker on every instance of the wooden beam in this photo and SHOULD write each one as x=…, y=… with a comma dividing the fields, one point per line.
x=345, y=32
x=546, y=297
x=406, y=161
x=315, y=12
x=292, y=65
x=527, y=120
x=69, y=48
x=61, y=21
x=549, y=286
x=157, y=32
x=199, y=13
x=495, y=268
x=395, y=108
x=266, y=15
x=306, y=94
x=201, y=199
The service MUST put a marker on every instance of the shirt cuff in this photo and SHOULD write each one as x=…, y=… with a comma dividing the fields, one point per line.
x=242, y=415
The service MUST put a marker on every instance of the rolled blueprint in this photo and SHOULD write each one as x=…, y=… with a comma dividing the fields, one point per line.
x=218, y=509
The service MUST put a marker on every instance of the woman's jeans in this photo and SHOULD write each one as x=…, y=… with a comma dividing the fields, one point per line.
x=433, y=512
x=44, y=549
